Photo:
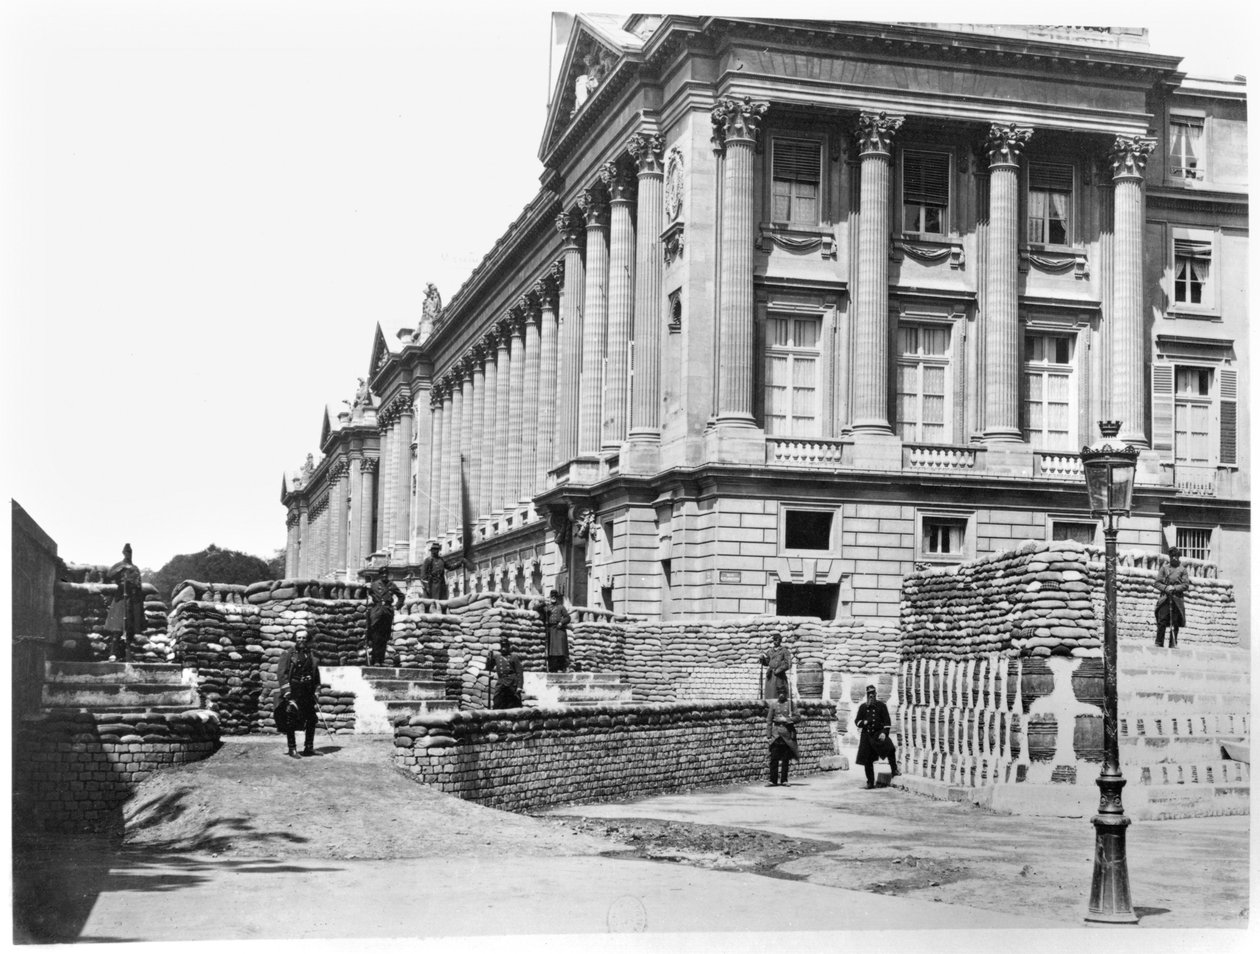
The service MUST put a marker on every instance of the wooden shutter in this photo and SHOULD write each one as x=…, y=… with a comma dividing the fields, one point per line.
x=797, y=160
x=1229, y=416
x=924, y=178
x=1162, y=408
x=1050, y=178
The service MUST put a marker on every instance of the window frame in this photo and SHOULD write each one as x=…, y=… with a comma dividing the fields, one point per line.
x=944, y=361
x=947, y=218
x=1211, y=286
x=933, y=516
x=1054, y=519
x=1210, y=401
x=1071, y=229
x=1188, y=117
x=790, y=222
x=794, y=353
x=1179, y=528
x=833, y=549
x=1026, y=368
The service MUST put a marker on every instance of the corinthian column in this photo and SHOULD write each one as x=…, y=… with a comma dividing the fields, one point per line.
x=490, y=343
x=545, y=291
x=291, y=544
x=595, y=320
x=304, y=546
x=569, y=335
x=366, y=469
x=1001, y=292
x=619, y=181
x=476, y=441
x=516, y=405
x=402, y=504
x=870, y=325
x=450, y=466
x=502, y=417
x=645, y=396
x=338, y=487
x=354, y=540
x=437, y=407
x=467, y=437
x=418, y=532
x=736, y=124
x=1128, y=405
x=530, y=418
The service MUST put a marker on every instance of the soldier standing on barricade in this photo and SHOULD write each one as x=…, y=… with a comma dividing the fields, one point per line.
x=777, y=660
x=433, y=573
x=381, y=597
x=126, y=610
x=509, y=674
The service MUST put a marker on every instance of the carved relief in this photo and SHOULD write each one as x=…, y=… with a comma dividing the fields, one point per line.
x=875, y=132
x=736, y=120
x=674, y=185
x=1005, y=143
x=672, y=242
x=1129, y=155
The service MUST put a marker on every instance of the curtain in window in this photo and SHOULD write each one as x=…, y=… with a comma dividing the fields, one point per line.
x=796, y=176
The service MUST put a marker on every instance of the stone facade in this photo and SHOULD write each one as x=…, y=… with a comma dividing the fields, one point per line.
x=746, y=398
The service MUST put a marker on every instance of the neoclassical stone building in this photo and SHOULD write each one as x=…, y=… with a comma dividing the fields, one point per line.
x=800, y=305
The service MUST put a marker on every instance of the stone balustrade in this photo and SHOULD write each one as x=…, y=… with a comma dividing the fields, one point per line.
x=940, y=457
x=807, y=452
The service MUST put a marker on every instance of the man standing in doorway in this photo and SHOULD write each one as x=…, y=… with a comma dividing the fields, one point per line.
x=875, y=743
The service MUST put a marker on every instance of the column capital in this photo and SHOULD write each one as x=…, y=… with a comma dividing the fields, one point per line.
x=875, y=132
x=647, y=150
x=467, y=364
x=619, y=180
x=547, y=288
x=594, y=205
x=529, y=304
x=450, y=382
x=435, y=396
x=736, y=120
x=569, y=225
x=368, y=465
x=505, y=328
x=1005, y=143
x=1129, y=155
x=490, y=341
x=477, y=354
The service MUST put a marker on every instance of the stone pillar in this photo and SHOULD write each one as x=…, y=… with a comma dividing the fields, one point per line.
x=367, y=468
x=546, y=292
x=354, y=539
x=619, y=181
x=422, y=414
x=1001, y=291
x=436, y=407
x=304, y=548
x=384, y=424
x=569, y=336
x=870, y=325
x=1127, y=374
x=477, y=375
x=467, y=438
x=490, y=425
x=337, y=494
x=516, y=405
x=594, y=207
x=291, y=544
x=402, y=491
x=502, y=417
x=532, y=426
x=452, y=404
x=645, y=391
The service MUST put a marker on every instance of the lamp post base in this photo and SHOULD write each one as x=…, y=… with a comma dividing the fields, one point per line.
x=1109, y=898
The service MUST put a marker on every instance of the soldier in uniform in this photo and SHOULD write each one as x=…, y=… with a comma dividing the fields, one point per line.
x=126, y=610
x=381, y=597
x=556, y=621
x=298, y=678
x=875, y=743
x=781, y=728
x=509, y=673
x=1171, y=582
x=433, y=573
x=777, y=660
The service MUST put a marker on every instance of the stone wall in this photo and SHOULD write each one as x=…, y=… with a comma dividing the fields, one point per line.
x=73, y=769
x=522, y=759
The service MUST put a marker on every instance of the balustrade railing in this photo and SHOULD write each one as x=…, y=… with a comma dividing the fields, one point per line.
x=1061, y=466
x=805, y=452
x=940, y=457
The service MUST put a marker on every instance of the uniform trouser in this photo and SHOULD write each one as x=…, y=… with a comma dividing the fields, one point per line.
x=870, y=767
x=305, y=699
x=1167, y=615
x=378, y=640
x=780, y=756
x=557, y=663
x=507, y=697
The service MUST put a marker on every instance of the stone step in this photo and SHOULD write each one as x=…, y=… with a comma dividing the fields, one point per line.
x=565, y=688
x=374, y=673
x=117, y=697
x=397, y=708
x=130, y=673
x=407, y=689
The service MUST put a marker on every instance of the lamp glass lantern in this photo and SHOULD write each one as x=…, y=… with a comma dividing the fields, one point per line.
x=1109, y=467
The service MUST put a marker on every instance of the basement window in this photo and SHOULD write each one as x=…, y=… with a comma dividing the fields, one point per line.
x=809, y=530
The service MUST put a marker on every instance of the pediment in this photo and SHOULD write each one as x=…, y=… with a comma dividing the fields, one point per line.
x=325, y=430
x=381, y=353
x=590, y=57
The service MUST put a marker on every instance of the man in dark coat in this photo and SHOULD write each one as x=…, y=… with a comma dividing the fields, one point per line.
x=126, y=610
x=298, y=678
x=1171, y=582
x=381, y=597
x=777, y=660
x=433, y=573
x=556, y=621
x=875, y=742
x=509, y=673
x=781, y=728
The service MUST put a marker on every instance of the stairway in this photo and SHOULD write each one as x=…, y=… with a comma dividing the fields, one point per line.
x=117, y=686
x=384, y=694
x=575, y=688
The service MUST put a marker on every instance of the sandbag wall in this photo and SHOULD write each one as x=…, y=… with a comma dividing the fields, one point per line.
x=1211, y=612
x=523, y=759
x=81, y=606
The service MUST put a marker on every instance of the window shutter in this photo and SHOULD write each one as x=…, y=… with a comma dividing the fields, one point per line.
x=1229, y=416
x=1192, y=248
x=797, y=160
x=1050, y=178
x=924, y=177
x=1162, y=408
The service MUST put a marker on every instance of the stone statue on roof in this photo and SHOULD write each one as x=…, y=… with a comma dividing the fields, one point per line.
x=430, y=312
x=362, y=396
x=309, y=467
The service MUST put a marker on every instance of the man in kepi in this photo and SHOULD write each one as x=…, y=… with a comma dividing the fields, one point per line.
x=126, y=611
x=381, y=597
x=781, y=726
x=1171, y=583
x=555, y=619
x=298, y=677
x=875, y=743
x=433, y=573
x=777, y=660
x=509, y=675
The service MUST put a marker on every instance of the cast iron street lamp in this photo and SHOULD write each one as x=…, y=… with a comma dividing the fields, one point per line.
x=1109, y=469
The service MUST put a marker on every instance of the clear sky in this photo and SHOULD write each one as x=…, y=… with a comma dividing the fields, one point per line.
x=206, y=208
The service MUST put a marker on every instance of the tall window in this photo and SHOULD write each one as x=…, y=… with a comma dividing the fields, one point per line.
x=1186, y=147
x=1195, y=543
x=1192, y=415
x=796, y=165
x=792, y=360
x=922, y=366
x=1049, y=203
x=1048, y=393
x=924, y=191
x=1192, y=268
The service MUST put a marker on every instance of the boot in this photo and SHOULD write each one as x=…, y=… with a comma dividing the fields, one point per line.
x=293, y=752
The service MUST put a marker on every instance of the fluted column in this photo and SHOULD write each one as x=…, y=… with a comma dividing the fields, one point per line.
x=338, y=487
x=367, y=467
x=569, y=336
x=1001, y=291
x=548, y=366
x=618, y=179
x=450, y=460
x=645, y=390
x=477, y=374
x=489, y=425
x=402, y=497
x=385, y=428
x=422, y=414
x=531, y=423
x=870, y=325
x=594, y=207
x=516, y=404
x=291, y=544
x=467, y=438
x=354, y=539
x=305, y=549
x=502, y=417
x=437, y=404
x=1128, y=404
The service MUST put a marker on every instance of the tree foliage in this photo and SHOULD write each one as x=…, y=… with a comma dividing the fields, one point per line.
x=211, y=565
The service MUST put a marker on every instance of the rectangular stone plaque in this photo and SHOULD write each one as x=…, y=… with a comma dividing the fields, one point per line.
x=728, y=576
